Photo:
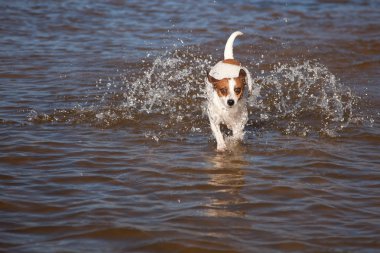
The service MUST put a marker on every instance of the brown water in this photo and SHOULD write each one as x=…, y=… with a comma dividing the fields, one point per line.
x=104, y=146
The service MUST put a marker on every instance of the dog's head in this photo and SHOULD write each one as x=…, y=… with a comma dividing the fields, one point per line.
x=229, y=90
x=229, y=80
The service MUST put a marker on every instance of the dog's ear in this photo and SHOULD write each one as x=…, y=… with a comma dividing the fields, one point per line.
x=211, y=79
x=243, y=76
x=246, y=76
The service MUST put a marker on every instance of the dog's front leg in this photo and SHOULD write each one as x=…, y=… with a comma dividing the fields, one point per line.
x=220, y=144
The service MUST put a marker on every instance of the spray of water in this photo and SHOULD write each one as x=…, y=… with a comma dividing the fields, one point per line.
x=303, y=98
x=165, y=97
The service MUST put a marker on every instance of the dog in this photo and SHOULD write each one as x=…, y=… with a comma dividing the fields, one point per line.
x=226, y=85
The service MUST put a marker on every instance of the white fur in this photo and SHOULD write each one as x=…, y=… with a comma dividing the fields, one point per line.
x=228, y=50
x=224, y=70
x=219, y=112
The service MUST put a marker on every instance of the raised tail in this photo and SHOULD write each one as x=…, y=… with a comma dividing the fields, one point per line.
x=228, y=50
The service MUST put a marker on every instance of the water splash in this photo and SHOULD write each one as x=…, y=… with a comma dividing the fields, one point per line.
x=165, y=97
x=304, y=98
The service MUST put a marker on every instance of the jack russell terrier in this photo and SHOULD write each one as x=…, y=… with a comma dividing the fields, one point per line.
x=225, y=88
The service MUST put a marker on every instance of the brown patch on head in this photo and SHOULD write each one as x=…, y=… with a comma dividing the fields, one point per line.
x=232, y=61
x=221, y=87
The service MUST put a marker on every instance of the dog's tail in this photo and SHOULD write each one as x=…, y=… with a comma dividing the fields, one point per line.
x=228, y=50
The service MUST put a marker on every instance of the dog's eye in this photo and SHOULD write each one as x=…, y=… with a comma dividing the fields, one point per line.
x=237, y=90
x=223, y=91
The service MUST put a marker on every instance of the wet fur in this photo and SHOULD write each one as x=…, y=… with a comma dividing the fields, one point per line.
x=221, y=93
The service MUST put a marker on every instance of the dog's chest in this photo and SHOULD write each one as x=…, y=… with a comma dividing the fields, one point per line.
x=229, y=117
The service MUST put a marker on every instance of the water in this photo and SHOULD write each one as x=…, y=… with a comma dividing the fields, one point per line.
x=105, y=146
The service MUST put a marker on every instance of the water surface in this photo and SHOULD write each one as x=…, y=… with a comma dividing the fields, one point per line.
x=105, y=147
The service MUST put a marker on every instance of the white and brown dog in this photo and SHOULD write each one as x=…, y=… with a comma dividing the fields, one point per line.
x=226, y=87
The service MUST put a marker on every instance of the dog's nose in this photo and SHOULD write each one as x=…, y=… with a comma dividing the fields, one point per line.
x=230, y=102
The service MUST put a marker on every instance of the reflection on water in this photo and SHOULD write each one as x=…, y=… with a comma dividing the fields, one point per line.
x=227, y=175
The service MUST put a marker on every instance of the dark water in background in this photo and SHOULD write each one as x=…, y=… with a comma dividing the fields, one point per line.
x=104, y=146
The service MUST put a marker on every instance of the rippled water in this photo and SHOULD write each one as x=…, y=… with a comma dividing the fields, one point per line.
x=105, y=147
